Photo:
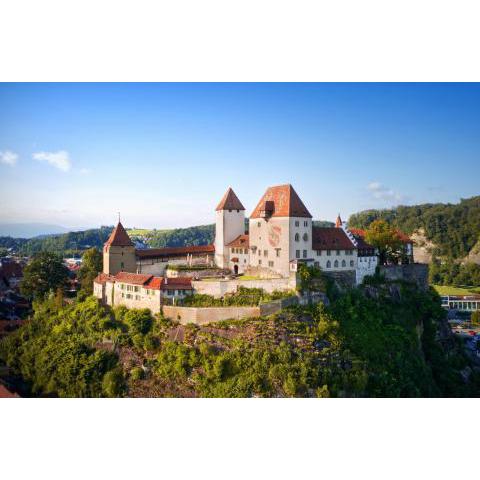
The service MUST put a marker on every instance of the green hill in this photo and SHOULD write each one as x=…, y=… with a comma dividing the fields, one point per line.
x=382, y=340
x=454, y=229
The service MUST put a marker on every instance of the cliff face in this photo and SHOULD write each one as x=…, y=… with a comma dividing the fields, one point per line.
x=474, y=255
x=422, y=247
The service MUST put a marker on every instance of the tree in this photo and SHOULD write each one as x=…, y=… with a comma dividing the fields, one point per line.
x=385, y=238
x=44, y=274
x=92, y=264
x=475, y=318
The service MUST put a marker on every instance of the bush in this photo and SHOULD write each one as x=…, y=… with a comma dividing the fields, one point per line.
x=113, y=383
x=136, y=373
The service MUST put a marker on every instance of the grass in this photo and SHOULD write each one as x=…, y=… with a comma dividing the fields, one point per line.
x=450, y=290
x=248, y=277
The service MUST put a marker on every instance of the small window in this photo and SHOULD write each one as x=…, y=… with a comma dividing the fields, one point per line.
x=297, y=253
x=305, y=223
x=297, y=237
x=335, y=264
x=297, y=223
x=338, y=252
x=270, y=263
x=329, y=264
x=329, y=252
x=316, y=264
x=265, y=253
x=344, y=263
x=351, y=263
x=259, y=224
x=278, y=250
x=319, y=253
x=260, y=261
x=305, y=237
x=122, y=266
x=304, y=254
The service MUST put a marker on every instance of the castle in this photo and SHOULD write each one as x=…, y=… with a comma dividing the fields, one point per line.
x=281, y=236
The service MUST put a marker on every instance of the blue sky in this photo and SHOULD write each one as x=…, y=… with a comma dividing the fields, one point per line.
x=163, y=154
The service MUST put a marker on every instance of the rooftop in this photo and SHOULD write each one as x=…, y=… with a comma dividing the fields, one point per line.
x=230, y=201
x=119, y=237
x=280, y=201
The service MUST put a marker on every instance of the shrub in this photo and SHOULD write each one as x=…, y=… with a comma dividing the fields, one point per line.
x=136, y=373
x=113, y=383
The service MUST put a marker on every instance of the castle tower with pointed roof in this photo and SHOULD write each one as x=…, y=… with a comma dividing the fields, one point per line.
x=229, y=224
x=119, y=252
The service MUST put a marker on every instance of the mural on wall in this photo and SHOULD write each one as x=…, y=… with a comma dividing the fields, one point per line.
x=274, y=233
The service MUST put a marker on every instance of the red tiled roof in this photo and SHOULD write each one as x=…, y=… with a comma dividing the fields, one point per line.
x=119, y=237
x=230, y=201
x=240, y=241
x=358, y=232
x=154, y=283
x=184, y=283
x=132, y=278
x=6, y=393
x=281, y=201
x=174, y=251
x=330, y=238
x=102, y=278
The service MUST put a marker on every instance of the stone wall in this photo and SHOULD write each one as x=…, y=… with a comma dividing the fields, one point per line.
x=344, y=280
x=412, y=272
x=203, y=315
x=218, y=288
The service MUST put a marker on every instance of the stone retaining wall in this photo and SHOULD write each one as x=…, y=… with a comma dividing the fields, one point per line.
x=218, y=288
x=203, y=315
x=412, y=272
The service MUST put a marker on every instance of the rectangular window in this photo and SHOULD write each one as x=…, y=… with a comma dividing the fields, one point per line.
x=304, y=254
x=297, y=223
x=270, y=263
x=305, y=223
x=137, y=297
x=259, y=261
x=297, y=253
x=259, y=224
x=338, y=252
x=129, y=296
x=136, y=289
x=265, y=253
x=245, y=251
x=278, y=250
x=319, y=253
x=329, y=252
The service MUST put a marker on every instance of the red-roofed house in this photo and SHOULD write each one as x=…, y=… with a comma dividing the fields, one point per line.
x=135, y=290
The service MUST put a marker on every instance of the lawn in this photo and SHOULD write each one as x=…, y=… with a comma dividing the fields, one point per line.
x=248, y=277
x=450, y=290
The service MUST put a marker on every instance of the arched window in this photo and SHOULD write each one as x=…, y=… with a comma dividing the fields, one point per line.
x=344, y=263
x=335, y=264
x=297, y=237
x=351, y=263
x=329, y=264
x=305, y=237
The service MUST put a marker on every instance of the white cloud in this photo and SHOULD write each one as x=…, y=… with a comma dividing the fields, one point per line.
x=8, y=158
x=381, y=192
x=60, y=159
x=85, y=171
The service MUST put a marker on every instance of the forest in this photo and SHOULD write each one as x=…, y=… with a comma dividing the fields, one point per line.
x=453, y=228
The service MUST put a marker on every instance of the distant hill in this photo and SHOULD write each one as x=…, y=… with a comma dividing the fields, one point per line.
x=453, y=229
x=29, y=230
x=74, y=243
